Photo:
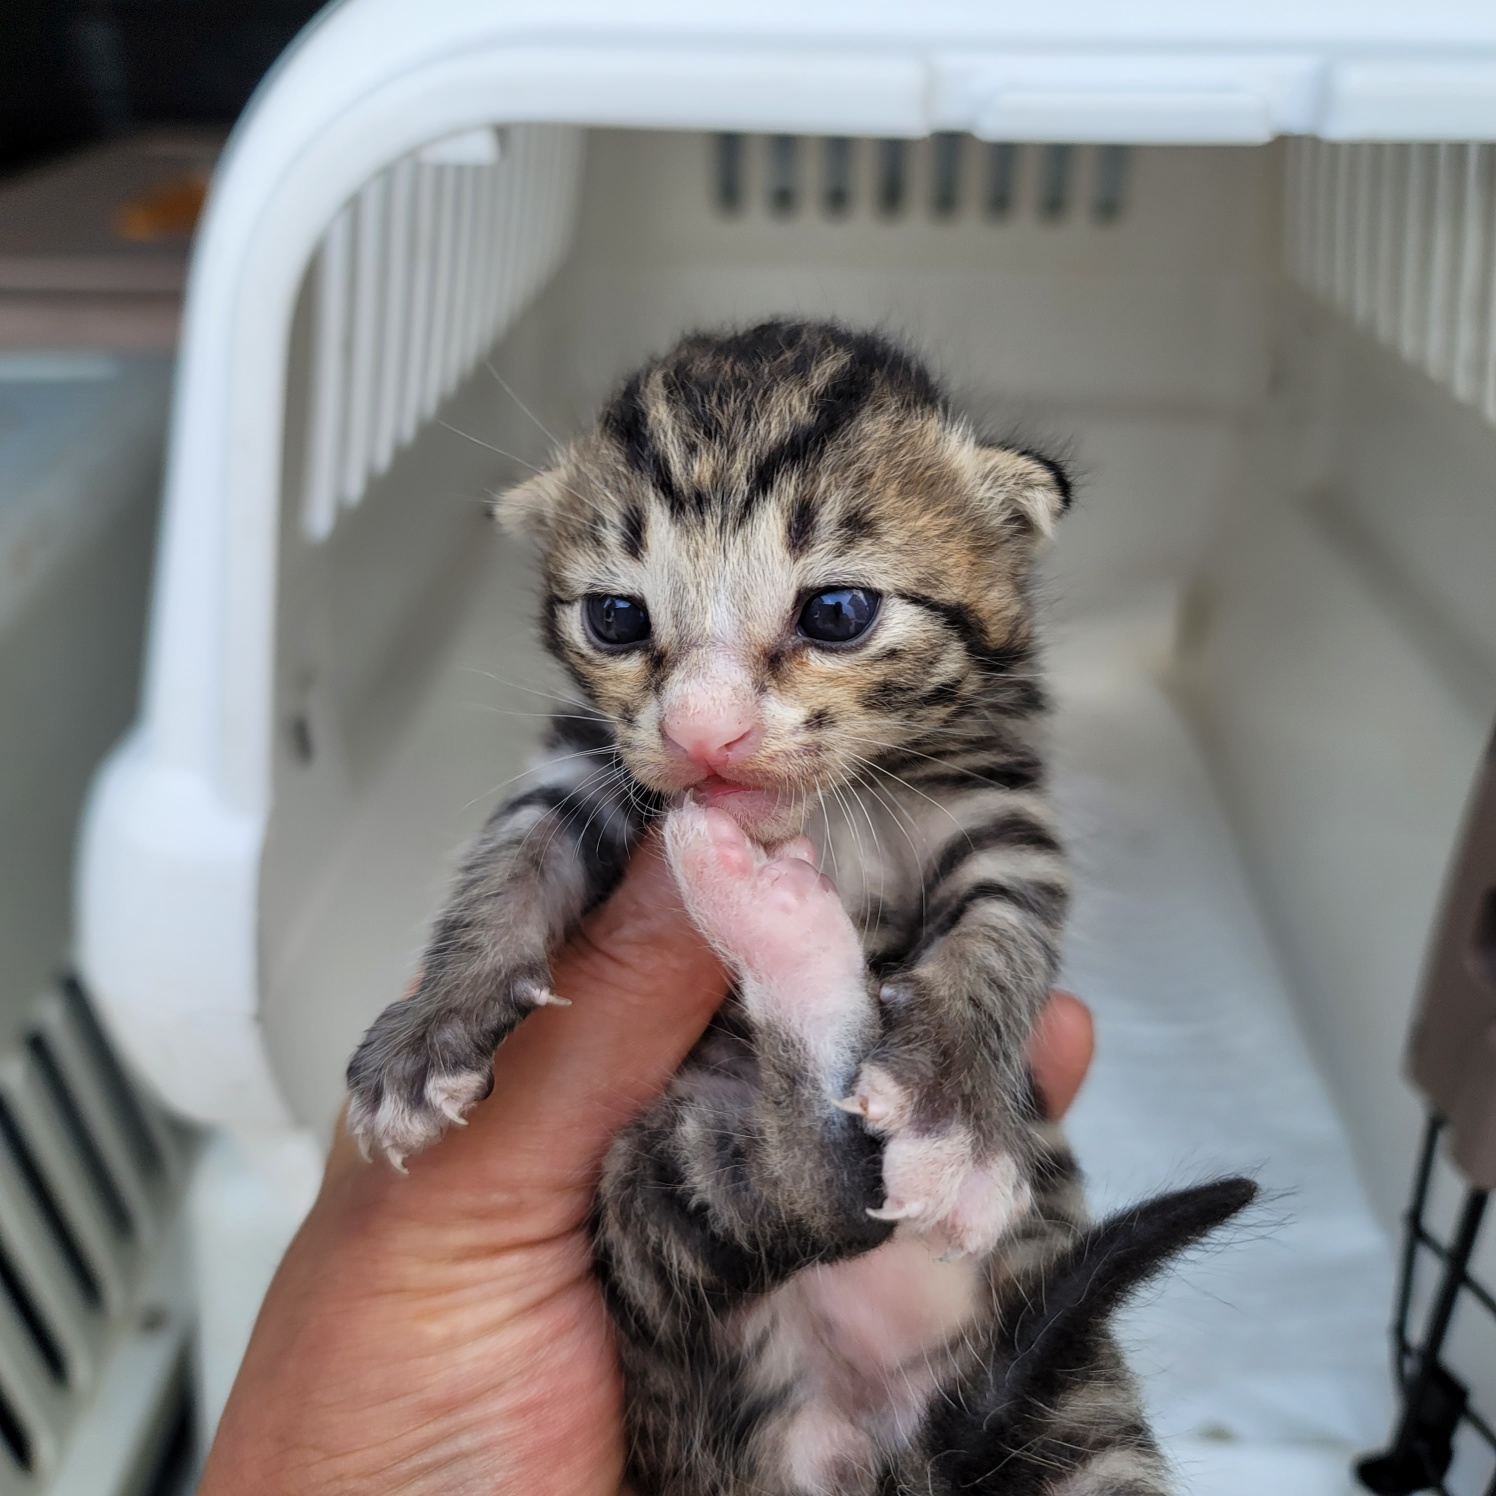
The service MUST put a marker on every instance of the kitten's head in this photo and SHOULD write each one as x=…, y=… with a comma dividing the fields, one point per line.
x=779, y=558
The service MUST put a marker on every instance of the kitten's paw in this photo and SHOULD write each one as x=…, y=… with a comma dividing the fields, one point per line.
x=772, y=915
x=935, y=1178
x=775, y=919
x=414, y=1075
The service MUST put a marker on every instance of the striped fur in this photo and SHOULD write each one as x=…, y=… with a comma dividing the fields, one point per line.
x=725, y=483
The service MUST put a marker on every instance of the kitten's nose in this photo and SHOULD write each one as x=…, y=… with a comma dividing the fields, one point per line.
x=714, y=736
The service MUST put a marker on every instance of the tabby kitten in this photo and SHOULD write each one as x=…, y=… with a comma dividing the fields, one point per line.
x=844, y=1252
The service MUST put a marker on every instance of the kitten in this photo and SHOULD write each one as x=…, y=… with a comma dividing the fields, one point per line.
x=843, y=1252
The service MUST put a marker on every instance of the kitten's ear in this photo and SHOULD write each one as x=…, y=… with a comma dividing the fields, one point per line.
x=1027, y=485
x=528, y=508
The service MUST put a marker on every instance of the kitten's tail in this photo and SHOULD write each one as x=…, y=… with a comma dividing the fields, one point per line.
x=1052, y=1329
x=1055, y=1395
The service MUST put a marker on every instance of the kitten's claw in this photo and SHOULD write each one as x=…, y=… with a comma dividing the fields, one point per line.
x=872, y=1109
x=365, y=1146
x=897, y=1210
x=452, y=1111
x=397, y=1160
x=545, y=998
x=878, y=1100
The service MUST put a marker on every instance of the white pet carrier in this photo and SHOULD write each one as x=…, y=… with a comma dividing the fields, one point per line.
x=439, y=235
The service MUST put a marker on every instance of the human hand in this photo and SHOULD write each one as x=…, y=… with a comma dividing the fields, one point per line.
x=442, y=1332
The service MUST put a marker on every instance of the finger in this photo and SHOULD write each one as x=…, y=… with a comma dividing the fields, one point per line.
x=1060, y=1051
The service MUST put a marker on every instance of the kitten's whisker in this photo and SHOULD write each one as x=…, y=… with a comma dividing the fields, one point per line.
x=900, y=814
x=877, y=848
x=504, y=711
x=581, y=498
x=584, y=707
x=879, y=769
x=895, y=810
x=549, y=763
x=850, y=822
x=509, y=390
x=830, y=837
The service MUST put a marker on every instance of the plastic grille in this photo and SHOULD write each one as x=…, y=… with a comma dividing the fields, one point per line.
x=944, y=178
x=416, y=278
x=1402, y=240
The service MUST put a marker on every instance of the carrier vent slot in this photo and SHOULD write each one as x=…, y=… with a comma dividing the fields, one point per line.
x=729, y=173
x=415, y=280
x=1402, y=240
x=1111, y=183
x=945, y=174
x=1002, y=179
x=110, y=1199
x=893, y=172
x=943, y=179
x=32, y=1317
x=836, y=198
x=14, y=1436
x=141, y=1131
x=63, y=1237
x=89, y=1173
x=784, y=174
x=1055, y=165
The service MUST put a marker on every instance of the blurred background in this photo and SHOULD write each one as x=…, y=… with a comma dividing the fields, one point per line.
x=111, y=117
x=77, y=71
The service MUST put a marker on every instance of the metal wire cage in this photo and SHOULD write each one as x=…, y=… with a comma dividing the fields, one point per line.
x=1435, y=1404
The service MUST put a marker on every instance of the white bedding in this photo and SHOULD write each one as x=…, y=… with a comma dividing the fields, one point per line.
x=1264, y=1358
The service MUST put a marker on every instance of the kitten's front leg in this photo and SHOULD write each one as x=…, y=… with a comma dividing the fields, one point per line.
x=948, y=1087
x=543, y=859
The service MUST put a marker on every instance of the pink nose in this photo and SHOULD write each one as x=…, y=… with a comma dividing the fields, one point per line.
x=715, y=738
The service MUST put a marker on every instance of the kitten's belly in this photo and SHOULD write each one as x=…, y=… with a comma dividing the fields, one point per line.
x=863, y=1342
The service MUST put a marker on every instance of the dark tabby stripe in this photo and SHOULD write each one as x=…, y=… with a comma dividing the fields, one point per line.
x=1043, y=902
x=632, y=526
x=1018, y=772
x=626, y=420
x=801, y=531
x=1011, y=829
x=838, y=405
x=996, y=657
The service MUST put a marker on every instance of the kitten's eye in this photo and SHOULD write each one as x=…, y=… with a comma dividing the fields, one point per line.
x=838, y=616
x=615, y=621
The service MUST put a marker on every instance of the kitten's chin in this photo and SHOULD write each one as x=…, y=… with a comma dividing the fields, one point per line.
x=767, y=815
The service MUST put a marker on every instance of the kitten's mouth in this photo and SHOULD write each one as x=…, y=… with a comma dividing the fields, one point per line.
x=764, y=812
x=714, y=789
